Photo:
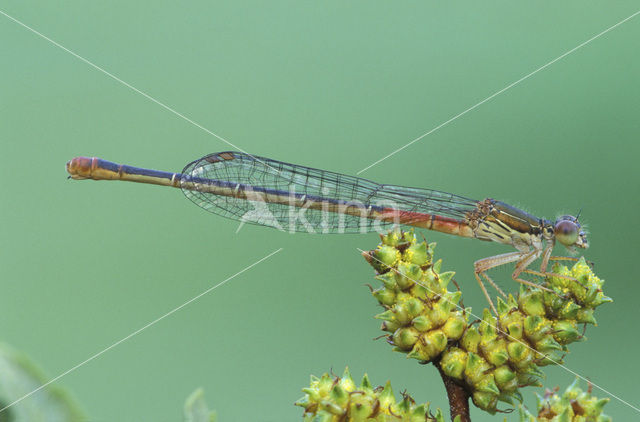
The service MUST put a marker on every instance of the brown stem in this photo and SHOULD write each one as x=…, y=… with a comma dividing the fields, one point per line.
x=458, y=397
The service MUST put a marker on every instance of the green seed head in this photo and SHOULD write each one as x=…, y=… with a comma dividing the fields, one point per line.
x=339, y=399
x=498, y=354
x=421, y=314
x=573, y=405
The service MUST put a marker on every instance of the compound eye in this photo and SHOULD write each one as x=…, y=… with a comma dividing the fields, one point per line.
x=566, y=232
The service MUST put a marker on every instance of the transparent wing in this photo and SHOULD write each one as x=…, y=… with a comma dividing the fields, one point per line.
x=262, y=191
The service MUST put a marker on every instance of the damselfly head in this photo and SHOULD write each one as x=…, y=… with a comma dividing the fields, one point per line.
x=568, y=231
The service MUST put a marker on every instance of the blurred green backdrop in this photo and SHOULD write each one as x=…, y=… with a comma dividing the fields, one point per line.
x=335, y=85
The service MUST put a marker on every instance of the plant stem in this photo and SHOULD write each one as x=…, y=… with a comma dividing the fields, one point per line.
x=458, y=397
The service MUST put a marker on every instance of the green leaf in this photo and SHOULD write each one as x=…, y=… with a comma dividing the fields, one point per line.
x=19, y=377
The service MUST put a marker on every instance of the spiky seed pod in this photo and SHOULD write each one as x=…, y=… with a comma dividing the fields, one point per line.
x=421, y=315
x=329, y=399
x=534, y=329
x=574, y=405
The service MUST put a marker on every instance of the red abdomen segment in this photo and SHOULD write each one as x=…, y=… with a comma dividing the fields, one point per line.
x=428, y=221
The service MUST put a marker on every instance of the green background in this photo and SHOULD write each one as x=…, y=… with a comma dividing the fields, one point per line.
x=335, y=85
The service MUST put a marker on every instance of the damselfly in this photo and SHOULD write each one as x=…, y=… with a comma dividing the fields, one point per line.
x=290, y=197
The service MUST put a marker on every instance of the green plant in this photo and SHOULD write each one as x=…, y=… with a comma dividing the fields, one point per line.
x=487, y=359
